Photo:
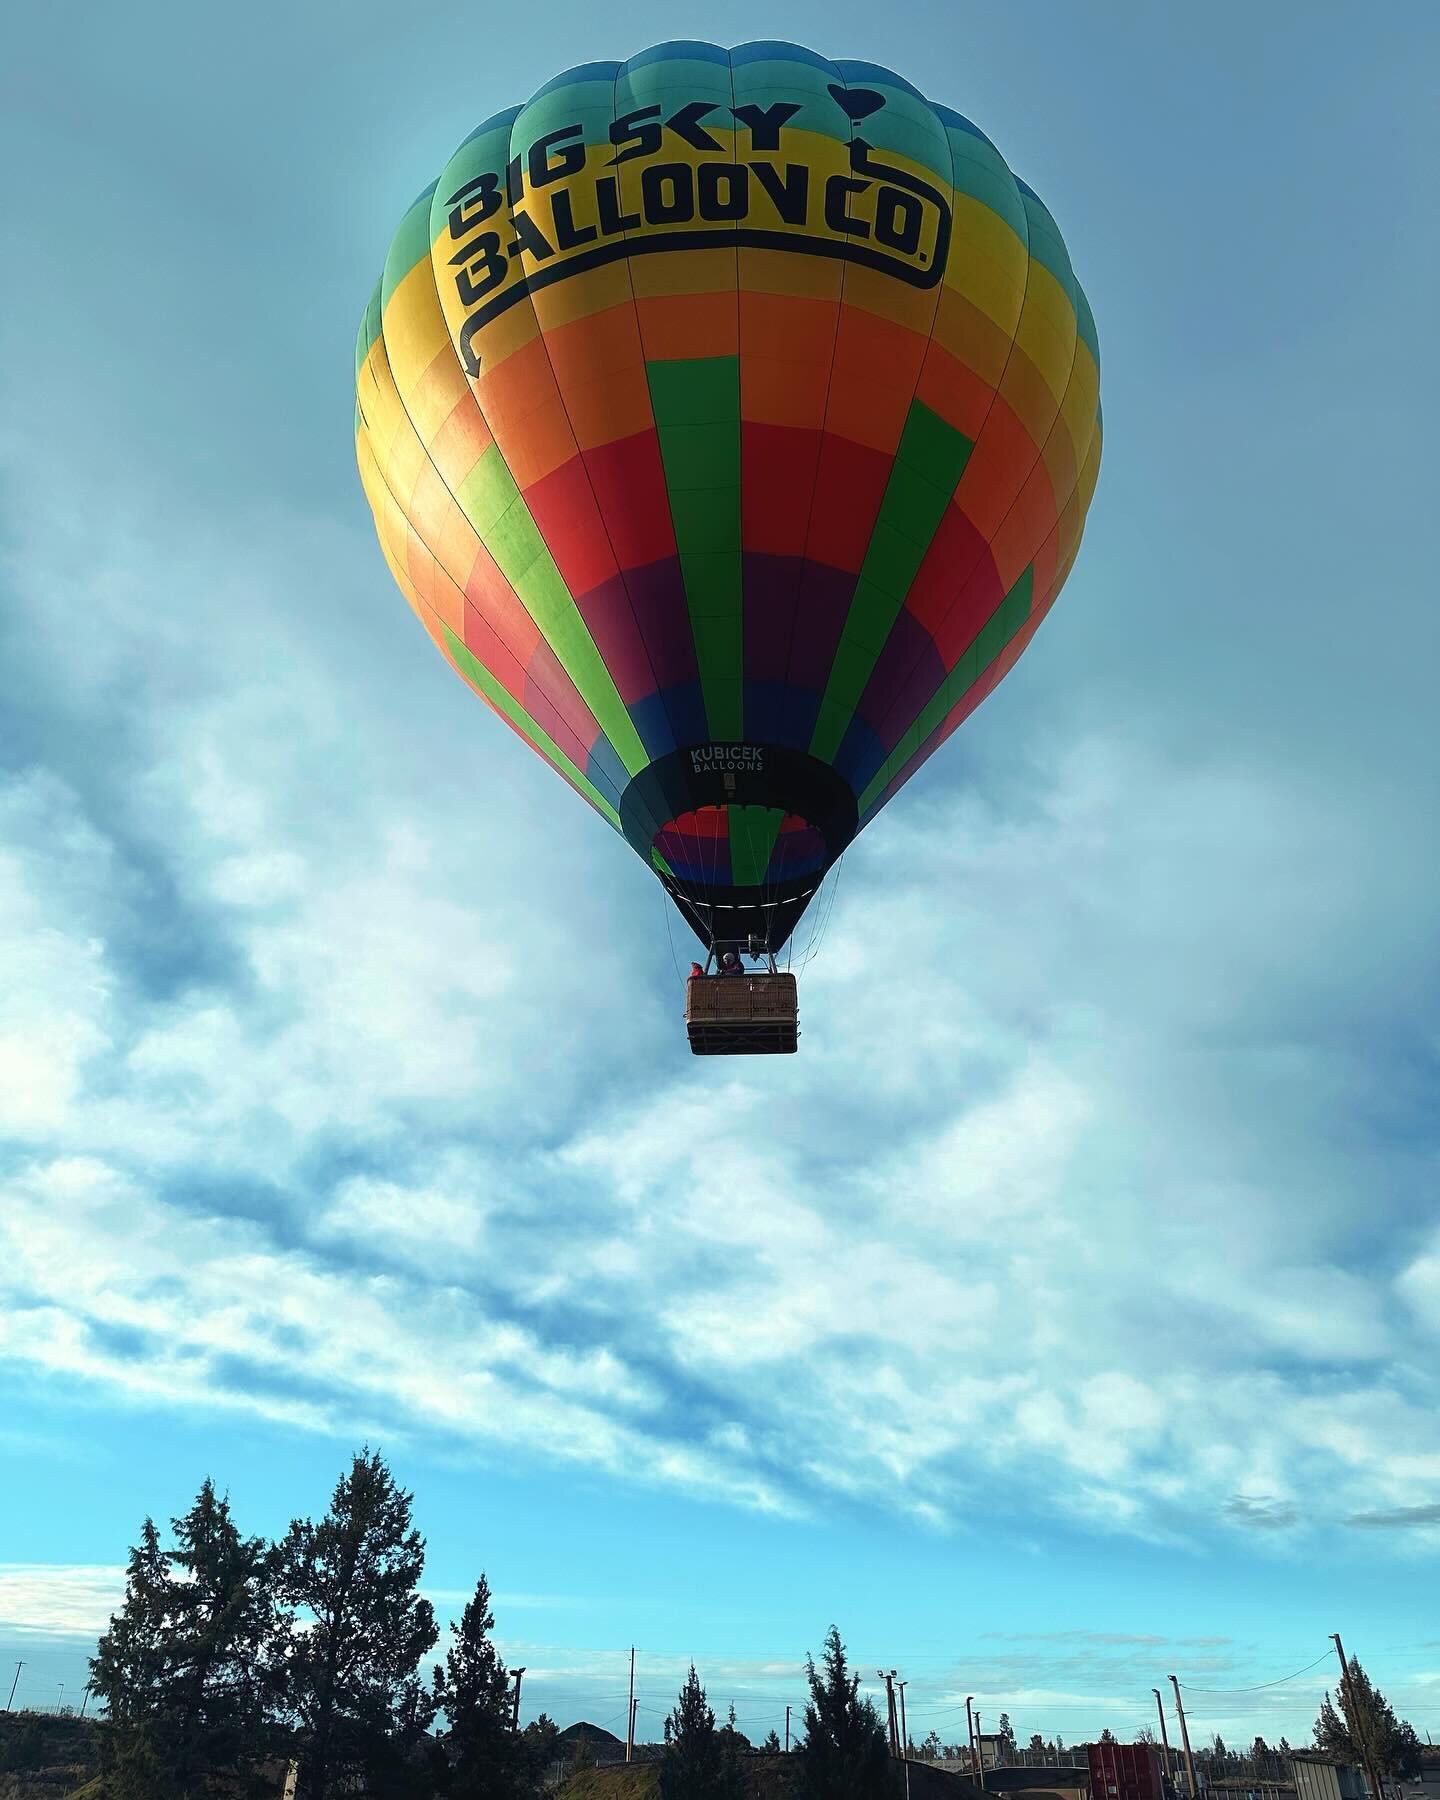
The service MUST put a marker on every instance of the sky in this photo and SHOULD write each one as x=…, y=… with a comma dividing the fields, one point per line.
x=1067, y=1313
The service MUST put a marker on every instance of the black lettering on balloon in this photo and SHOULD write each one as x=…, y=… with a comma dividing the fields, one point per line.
x=476, y=200
x=568, y=235
x=570, y=158
x=686, y=124
x=484, y=269
x=787, y=189
x=838, y=190
x=667, y=193
x=898, y=220
x=640, y=131
x=723, y=190
x=607, y=205
x=529, y=238
x=765, y=121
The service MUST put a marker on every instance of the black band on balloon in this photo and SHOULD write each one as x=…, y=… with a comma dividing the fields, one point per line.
x=740, y=774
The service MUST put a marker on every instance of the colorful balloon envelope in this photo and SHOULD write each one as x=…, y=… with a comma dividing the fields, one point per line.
x=729, y=419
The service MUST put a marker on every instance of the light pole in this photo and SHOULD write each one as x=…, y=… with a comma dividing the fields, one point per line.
x=515, y=1714
x=14, y=1684
x=1164, y=1735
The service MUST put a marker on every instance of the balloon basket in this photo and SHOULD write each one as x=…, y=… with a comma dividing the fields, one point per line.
x=742, y=1015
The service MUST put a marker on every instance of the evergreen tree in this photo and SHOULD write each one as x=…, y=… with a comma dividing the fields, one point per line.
x=1037, y=1744
x=1366, y=1726
x=1007, y=1738
x=350, y=1671
x=540, y=1734
x=489, y=1760
x=845, y=1753
x=698, y=1764
x=128, y=1671
x=182, y=1669
x=1107, y=1736
x=772, y=1744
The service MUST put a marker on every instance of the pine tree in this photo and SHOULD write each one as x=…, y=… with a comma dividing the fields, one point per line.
x=845, y=1753
x=1366, y=1726
x=128, y=1671
x=1107, y=1736
x=182, y=1669
x=697, y=1764
x=350, y=1672
x=489, y=1760
x=772, y=1743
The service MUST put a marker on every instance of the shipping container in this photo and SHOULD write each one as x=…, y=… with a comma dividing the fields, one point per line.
x=1125, y=1772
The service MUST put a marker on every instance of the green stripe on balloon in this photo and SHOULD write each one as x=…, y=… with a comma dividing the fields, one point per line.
x=927, y=469
x=503, y=522
x=480, y=677
x=696, y=402
x=753, y=831
x=989, y=641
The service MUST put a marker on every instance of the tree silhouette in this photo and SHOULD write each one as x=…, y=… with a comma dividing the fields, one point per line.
x=489, y=1760
x=1366, y=1726
x=351, y=1679
x=183, y=1670
x=845, y=1753
x=698, y=1764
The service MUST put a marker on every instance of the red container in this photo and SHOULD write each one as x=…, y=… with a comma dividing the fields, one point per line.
x=1125, y=1772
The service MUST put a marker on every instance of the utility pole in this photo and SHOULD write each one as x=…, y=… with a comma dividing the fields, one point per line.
x=1352, y=1719
x=1164, y=1735
x=979, y=1753
x=787, y=1730
x=1185, y=1738
x=904, y=1737
x=84, y=1699
x=970, y=1727
x=515, y=1712
x=60, y=1697
x=630, y=1734
x=893, y=1722
x=13, y=1685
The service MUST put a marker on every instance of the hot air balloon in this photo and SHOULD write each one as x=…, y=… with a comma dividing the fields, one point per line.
x=729, y=419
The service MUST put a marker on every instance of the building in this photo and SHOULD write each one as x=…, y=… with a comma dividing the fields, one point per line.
x=1319, y=1777
x=1048, y=1782
x=1425, y=1785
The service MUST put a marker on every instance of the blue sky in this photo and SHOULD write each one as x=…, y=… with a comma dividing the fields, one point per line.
x=1068, y=1313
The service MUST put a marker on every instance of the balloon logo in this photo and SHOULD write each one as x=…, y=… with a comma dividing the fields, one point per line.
x=729, y=419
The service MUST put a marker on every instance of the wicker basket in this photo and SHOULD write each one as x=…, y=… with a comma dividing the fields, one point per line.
x=742, y=1015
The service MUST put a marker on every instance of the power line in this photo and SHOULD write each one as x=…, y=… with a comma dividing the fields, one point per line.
x=1259, y=1684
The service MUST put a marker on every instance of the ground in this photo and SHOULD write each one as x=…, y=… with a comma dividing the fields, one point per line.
x=42, y=1758
x=641, y=1781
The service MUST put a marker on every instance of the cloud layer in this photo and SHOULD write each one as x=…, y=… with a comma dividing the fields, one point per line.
x=343, y=1086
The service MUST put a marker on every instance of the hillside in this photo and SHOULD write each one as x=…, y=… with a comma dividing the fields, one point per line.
x=42, y=1758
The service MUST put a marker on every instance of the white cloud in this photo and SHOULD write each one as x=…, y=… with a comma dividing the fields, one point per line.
x=59, y=1599
x=346, y=1088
